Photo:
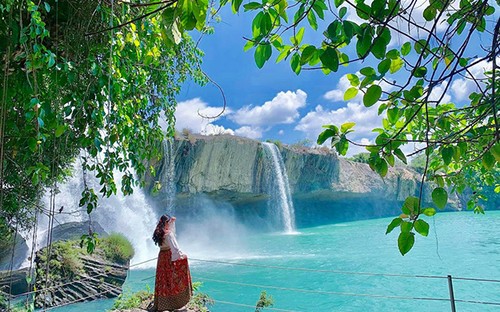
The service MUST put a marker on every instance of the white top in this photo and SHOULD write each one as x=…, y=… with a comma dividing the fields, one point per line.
x=170, y=241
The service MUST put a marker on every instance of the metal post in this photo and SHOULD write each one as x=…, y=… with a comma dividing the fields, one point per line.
x=452, y=296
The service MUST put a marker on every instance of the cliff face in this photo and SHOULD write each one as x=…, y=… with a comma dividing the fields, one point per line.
x=237, y=170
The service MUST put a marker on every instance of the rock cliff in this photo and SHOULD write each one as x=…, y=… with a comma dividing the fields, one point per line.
x=235, y=169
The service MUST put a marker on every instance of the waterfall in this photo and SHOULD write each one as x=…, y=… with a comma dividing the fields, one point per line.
x=281, y=198
x=130, y=215
x=168, y=188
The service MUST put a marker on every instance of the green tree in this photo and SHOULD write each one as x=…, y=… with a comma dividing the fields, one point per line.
x=460, y=143
x=88, y=79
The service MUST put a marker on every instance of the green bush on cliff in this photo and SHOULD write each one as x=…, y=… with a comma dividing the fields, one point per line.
x=64, y=260
x=117, y=248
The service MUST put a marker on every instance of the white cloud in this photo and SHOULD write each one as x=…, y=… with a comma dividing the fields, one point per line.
x=337, y=95
x=365, y=118
x=281, y=132
x=282, y=109
x=211, y=129
x=193, y=114
x=438, y=91
x=249, y=132
x=462, y=87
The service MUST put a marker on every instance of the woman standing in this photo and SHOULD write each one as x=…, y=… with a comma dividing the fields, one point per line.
x=173, y=287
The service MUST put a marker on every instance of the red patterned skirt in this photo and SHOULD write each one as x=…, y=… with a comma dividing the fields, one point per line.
x=173, y=287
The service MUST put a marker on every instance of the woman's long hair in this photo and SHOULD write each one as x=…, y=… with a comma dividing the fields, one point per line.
x=159, y=232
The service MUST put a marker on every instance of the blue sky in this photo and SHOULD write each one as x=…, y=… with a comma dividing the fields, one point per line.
x=273, y=102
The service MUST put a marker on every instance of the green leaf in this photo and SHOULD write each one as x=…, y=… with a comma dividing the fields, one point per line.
x=429, y=212
x=364, y=43
x=378, y=48
x=342, y=145
x=393, y=114
x=363, y=10
x=342, y=12
x=326, y=134
x=384, y=66
x=346, y=126
x=410, y=206
x=405, y=242
x=447, y=154
x=430, y=13
x=311, y=18
x=381, y=167
x=367, y=71
x=396, y=65
x=338, y=2
x=440, y=197
x=262, y=54
x=421, y=227
x=488, y=160
x=47, y=7
x=330, y=59
x=399, y=154
x=235, y=5
x=307, y=54
x=252, y=6
x=420, y=72
x=353, y=79
x=350, y=93
x=394, y=224
x=495, y=151
x=60, y=130
x=406, y=48
x=406, y=226
x=295, y=63
x=299, y=36
x=372, y=95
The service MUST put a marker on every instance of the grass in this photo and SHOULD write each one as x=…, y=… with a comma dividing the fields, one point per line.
x=117, y=248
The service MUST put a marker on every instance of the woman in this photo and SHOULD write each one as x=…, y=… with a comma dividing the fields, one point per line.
x=173, y=287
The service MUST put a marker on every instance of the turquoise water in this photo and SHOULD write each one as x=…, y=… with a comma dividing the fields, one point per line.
x=459, y=244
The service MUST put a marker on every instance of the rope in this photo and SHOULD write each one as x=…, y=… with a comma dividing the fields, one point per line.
x=61, y=285
x=3, y=117
x=326, y=271
x=79, y=300
x=251, y=306
x=317, y=270
x=324, y=292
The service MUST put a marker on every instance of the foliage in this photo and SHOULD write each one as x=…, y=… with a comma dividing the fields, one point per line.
x=130, y=301
x=408, y=84
x=117, y=248
x=361, y=158
x=64, y=261
x=71, y=84
x=200, y=301
x=90, y=241
x=264, y=301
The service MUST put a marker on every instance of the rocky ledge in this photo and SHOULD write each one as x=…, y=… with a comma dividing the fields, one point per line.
x=75, y=276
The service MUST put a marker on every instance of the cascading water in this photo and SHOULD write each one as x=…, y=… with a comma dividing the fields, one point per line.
x=281, y=198
x=130, y=215
x=168, y=189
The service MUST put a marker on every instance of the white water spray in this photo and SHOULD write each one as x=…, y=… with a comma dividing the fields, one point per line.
x=129, y=215
x=281, y=195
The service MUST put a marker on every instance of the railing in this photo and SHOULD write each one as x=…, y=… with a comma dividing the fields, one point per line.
x=449, y=279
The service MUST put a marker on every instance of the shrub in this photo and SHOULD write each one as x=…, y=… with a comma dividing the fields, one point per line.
x=264, y=302
x=117, y=248
x=130, y=301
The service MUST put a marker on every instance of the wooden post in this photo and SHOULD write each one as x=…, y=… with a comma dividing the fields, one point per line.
x=452, y=296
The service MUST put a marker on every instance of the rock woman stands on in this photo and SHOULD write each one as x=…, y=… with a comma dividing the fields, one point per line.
x=173, y=287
